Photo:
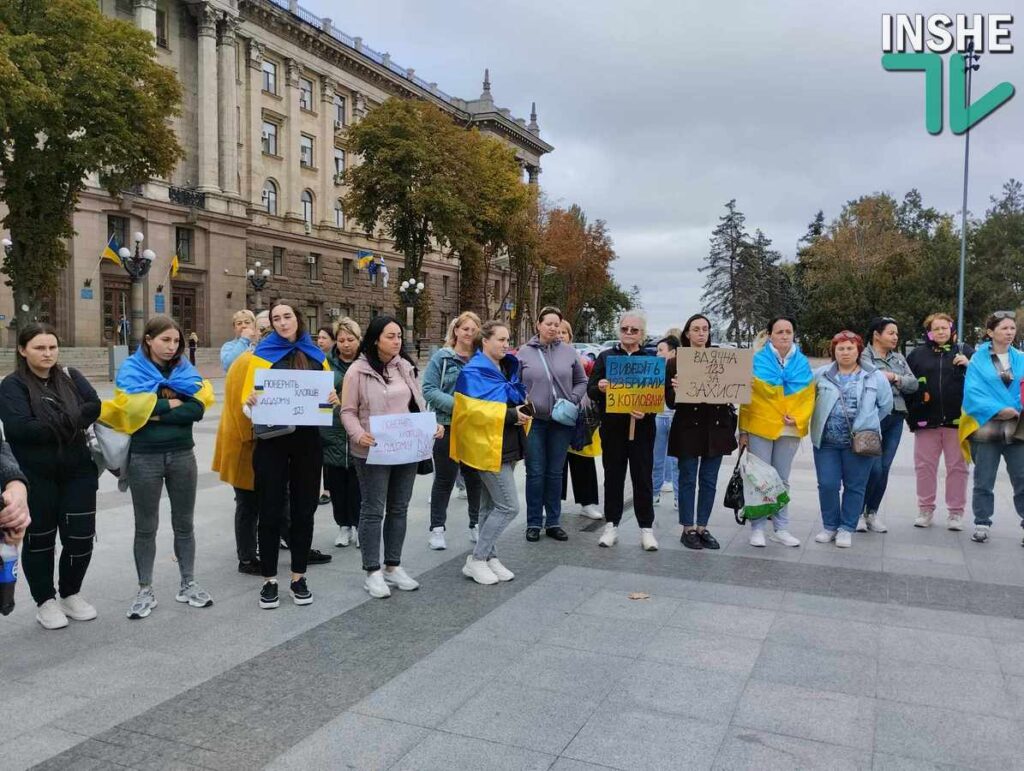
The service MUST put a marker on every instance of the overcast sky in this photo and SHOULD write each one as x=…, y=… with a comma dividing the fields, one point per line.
x=660, y=112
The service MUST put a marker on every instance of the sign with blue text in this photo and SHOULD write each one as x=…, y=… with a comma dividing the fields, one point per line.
x=635, y=384
x=293, y=397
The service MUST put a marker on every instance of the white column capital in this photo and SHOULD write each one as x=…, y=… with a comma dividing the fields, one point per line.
x=255, y=54
x=149, y=5
x=228, y=31
x=327, y=88
x=292, y=70
x=206, y=17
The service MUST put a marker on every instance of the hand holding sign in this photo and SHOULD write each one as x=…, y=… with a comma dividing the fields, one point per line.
x=403, y=438
x=635, y=384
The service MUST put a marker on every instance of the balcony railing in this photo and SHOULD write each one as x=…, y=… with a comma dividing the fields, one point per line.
x=186, y=196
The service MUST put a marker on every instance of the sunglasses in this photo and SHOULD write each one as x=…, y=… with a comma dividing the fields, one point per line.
x=1005, y=315
x=630, y=330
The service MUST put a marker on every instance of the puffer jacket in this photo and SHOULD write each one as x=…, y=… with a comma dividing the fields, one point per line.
x=334, y=437
x=439, y=383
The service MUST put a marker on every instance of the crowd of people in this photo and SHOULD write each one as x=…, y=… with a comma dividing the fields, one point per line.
x=494, y=408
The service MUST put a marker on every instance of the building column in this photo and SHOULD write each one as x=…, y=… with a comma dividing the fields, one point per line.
x=255, y=135
x=291, y=203
x=327, y=189
x=206, y=104
x=533, y=172
x=227, y=55
x=145, y=16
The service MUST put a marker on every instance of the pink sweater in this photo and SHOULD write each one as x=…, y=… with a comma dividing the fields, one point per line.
x=365, y=393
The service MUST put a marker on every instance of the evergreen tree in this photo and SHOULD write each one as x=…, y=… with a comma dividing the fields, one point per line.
x=723, y=286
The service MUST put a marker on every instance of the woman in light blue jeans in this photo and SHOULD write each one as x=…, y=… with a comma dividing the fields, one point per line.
x=666, y=467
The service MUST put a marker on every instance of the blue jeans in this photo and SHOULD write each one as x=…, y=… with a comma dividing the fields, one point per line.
x=665, y=466
x=690, y=471
x=840, y=467
x=546, y=448
x=878, y=480
x=986, y=465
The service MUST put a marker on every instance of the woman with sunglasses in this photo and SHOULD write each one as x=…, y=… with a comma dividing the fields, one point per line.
x=881, y=354
x=933, y=414
x=988, y=427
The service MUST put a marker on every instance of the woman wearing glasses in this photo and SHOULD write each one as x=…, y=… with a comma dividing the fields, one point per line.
x=881, y=355
x=988, y=428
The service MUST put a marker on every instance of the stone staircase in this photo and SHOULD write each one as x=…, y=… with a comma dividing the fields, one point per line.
x=93, y=362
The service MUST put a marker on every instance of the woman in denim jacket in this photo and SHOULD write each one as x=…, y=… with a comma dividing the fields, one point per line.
x=850, y=397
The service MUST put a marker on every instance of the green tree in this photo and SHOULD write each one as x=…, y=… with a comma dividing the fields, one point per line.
x=724, y=265
x=79, y=93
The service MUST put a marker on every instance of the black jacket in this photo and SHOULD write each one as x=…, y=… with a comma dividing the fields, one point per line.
x=513, y=436
x=698, y=430
x=938, y=401
x=615, y=424
x=10, y=471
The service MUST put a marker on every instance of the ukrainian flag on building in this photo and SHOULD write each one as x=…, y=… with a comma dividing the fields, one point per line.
x=363, y=259
x=777, y=391
x=136, y=386
x=482, y=395
x=985, y=394
x=271, y=350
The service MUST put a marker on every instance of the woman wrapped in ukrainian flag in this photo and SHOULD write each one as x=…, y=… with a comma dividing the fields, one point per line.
x=488, y=433
x=778, y=416
x=158, y=396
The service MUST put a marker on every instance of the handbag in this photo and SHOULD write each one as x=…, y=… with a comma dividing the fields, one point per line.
x=113, y=447
x=425, y=467
x=262, y=431
x=734, y=492
x=562, y=410
x=866, y=443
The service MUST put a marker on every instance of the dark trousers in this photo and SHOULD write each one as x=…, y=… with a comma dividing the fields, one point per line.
x=639, y=456
x=445, y=471
x=247, y=517
x=286, y=467
x=584, y=479
x=61, y=502
x=343, y=485
x=878, y=480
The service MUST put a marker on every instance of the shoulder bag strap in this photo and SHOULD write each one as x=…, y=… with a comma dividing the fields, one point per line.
x=551, y=380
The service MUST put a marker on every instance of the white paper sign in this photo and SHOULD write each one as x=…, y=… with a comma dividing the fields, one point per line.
x=293, y=397
x=406, y=438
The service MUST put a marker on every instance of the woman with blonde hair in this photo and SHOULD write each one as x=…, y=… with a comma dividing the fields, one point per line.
x=339, y=464
x=244, y=323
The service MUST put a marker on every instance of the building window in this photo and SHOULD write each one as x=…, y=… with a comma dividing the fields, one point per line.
x=270, y=196
x=118, y=228
x=269, y=77
x=497, y=290
x=306, y=151
x=346, y=272
x=269, y=137
x=339, y=163
x=444, y=286
x=374, y=312
x=312, y=319
x=184, y=241
x=339, y=111
x=278, y=261
x=305, y=93
x=314, y=266
x=307, y=207
x=161, y=27
x=339, y=216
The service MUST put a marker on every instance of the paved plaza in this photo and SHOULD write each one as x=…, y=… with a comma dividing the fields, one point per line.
x=904, y=652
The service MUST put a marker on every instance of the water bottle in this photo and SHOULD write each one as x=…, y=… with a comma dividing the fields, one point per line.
x=8, y=577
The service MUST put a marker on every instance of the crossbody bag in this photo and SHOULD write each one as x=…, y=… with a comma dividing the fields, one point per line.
x=563, y=411
x=867, y=443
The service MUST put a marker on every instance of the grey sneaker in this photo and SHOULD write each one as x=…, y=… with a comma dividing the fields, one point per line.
x=194, y=595
x=980, y=533
x=143, y=604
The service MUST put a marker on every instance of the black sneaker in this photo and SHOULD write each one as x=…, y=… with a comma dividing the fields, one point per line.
x=533, y=534
x=325, y=499
x=709, y=541
x=557, y=533
x=300, y=594
x=691, y=539
x=317, y=557
x=268, y=595
x=249, y=567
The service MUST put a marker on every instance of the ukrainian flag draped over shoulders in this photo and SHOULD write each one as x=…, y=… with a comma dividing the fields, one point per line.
x=777, y=391
x=136, y=386
x=482, y=395
x=272, y=348
x=985, y=393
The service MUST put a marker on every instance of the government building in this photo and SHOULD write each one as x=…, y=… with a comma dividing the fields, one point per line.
x=269, y=91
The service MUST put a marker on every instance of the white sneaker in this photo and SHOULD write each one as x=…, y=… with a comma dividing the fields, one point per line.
x=609, y=536
x=647, y=539
x=875, y=523
x=77, y=609
x=757, y=538
x=344, y=536
x=479, y=571
x=590, y=511
x=666, y=486
x=657, y=500
x=374, y=584
x=461, y=494
x=924, y=519
x=50, y=616
x=844, y=539
x=955, y=521
x=401, y=580
x=355, y=537
x=474, y=533
x=825, y=536
x=502, y=572
x=862, y=524
x=785, y=538
x=437, y=539
x=980, y=533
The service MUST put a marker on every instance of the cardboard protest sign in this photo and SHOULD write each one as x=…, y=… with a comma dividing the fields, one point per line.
x=635, y=384
x=293, y=397
x=404, y=438
x=714, y=375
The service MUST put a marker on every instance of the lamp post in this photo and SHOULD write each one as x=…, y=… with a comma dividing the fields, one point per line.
x=410, y=290
x=586, y=314
x=258, y=280
x=971, y=65
x=136, y=264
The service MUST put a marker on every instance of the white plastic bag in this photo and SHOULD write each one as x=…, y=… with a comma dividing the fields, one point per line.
x=114, y=445
x=764, y=492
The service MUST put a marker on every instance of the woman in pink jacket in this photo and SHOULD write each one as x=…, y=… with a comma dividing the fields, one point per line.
x=381, y=381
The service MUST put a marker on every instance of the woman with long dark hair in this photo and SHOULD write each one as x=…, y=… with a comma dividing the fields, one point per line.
x=382, y=381
x=339, y=464
x=46, y=409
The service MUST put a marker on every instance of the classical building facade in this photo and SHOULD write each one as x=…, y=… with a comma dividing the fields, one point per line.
x=269, y=90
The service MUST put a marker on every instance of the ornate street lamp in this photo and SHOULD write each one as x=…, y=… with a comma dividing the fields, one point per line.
x=258, y=280
x=586, y=315
x=136, y=264
x=410, y=290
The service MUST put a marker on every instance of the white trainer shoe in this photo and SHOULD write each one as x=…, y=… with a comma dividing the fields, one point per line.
x=609, y=536
x=862, y=524
x=785, y=538
x=401, y=580
x=77, y=609
x=344, y=537
x=502, y=572
x=355, y=537
x=825, y=536
x=461, y=494
x=590, y=511
x=980, y=533
x=875, y=523
x=647, y=540
x=955, y=521
x=474, y=533
x=436, y=541
x=479, y=571
x=374, y=584
x=666, y=486
x=844, y=539
x=924, y=519
x=50, y=616
x=757, y=538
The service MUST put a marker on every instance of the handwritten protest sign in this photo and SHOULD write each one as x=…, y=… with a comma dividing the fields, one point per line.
x=714, y=375
x=406, y=438
x=635, y=384
x=293, y=397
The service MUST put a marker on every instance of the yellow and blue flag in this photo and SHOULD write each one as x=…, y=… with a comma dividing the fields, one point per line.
x=136, y=386
x=110, y=251
x=482, y=397
x=363, y=259
x=985, y=393
x=777, y=391
x=174, y=266
x=271, y=349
